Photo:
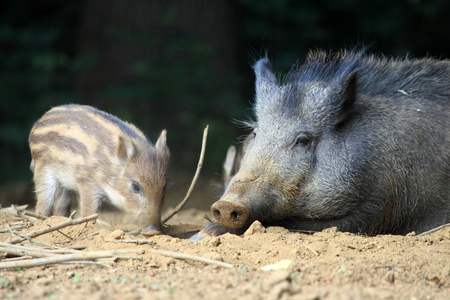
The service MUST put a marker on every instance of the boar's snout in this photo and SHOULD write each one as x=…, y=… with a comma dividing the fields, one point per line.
x=229, y=214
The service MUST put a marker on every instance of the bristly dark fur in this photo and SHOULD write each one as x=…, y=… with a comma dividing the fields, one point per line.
x=375, y=76
x=322, y=66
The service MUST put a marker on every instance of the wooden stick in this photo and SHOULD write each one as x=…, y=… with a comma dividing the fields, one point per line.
x=68, y=222
x=56, y=250
x=28, y=238
x=137, y=242
x=12, y=226
x=86, y=263
x=20, y=214
x=18, y=252
x=13, y=208
x=208, y=218
x=130, y=257
x=17, y=258
x=192, y=257
x=34, y=215
x=434, y=229
x=125, y=251
x=308, y=247
x=194, y=180
x=311, y=249
x=82, y=229
x=54, y=259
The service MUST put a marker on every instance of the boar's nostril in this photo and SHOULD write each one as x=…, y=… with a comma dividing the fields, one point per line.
x=230, y=214
x=216, y=213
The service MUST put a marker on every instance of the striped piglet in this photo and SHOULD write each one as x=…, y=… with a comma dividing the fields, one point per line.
x=81, y=153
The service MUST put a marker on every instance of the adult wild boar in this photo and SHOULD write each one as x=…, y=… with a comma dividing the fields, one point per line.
x=348, y=140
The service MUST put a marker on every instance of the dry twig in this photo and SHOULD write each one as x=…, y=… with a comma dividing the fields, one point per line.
x=17, y=258
x=191, y=257
x=16, y=226
x=13, y=208
x=208, y=218
x=20, y=214
x=34, y=215
x=137, y=242
x=54, y=250
x=54, y=259
x=194, y=180
x=20, y=252
x=308, y=247
x=68, y=222
x=28, y=238
x=86, y=263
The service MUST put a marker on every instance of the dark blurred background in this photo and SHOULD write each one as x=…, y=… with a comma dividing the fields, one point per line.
x=179, y=65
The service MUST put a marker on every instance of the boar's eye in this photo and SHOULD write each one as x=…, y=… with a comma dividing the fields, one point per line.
x=302, y=140
x=135, y=187
x=254, y=133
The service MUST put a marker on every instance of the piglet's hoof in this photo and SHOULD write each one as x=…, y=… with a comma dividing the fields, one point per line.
x=151, y=230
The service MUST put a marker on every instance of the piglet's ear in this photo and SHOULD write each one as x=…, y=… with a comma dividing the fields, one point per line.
x=126, y=149
x=161, y=143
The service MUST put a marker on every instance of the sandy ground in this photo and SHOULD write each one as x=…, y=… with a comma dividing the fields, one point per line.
x=324, y=265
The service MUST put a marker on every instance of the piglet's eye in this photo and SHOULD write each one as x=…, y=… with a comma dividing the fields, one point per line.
x=135, y=187
x=254, y=133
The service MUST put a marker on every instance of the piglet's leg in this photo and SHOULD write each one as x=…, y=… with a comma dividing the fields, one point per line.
x=89, y=202
x=47, y=190
x=62, y=207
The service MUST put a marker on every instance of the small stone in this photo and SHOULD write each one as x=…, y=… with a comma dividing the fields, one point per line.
x=214, y=242
x=254, y=228
x=388, y=278
x=117, y=234
x=213, y=255
x=277, y=277
x=278, y=290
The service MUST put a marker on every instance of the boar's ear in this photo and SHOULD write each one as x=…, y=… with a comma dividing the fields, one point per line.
x=347, y=97
x=126, y=149
x=263, y=71
x=161, y=143
x=265, y=81
x=264, y=74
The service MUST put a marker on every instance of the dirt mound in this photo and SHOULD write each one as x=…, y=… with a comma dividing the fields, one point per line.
x=268, y=263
